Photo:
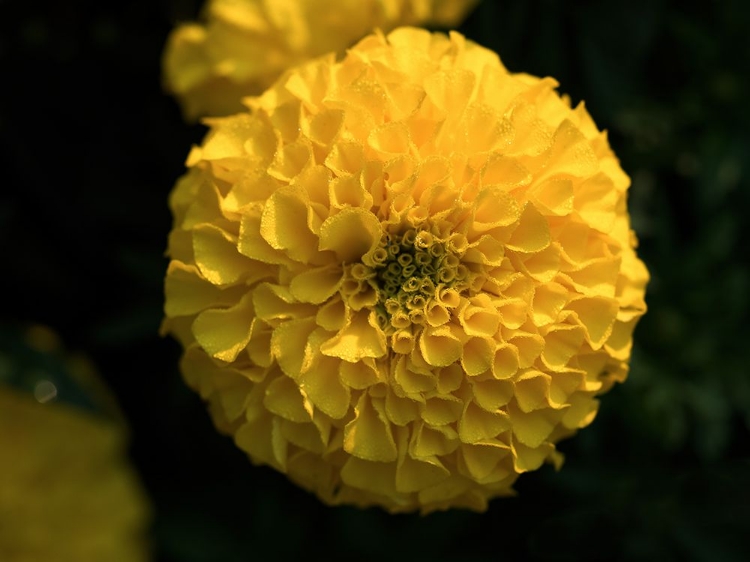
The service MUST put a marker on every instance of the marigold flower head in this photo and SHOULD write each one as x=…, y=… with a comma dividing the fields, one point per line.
x=244, y=45
x=402, y=277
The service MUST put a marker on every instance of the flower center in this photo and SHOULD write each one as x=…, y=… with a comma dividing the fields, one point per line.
x=415, y=276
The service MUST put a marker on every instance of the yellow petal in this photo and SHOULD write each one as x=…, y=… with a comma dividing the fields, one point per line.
x=333, y=315
x=450, y=90
x=251, y=244
x=284, y=399
x=359, y=339
x=322, y=384
x=531, y=429
x=315, y=181
x=228, y=140
x=505, y=173
x=542, y=266
x=368, y=436
x=481, y=459
x=284, y=224
x=555, y=196
x=345, y=158
x=549, y=300
x=560, y=344
x=361, y=374
x=413, y=474
x=400, y=410
x=477, y=424
x=223, y=333
x=288, y=344
x=570, y=153
x=493, y=208
x=187, y=292
x=595, y=201
x=316, y=285
x=442, y=410
x=305, y=436
x=325, y=126
x=620, y=340
x=582, y=411
x=376, y=477
x=532, y=390
x=276, y=302
x=596, y=316
x=506, y=361
x=597, y=278
x=427, y=441
x=446, y=490
x=485, y=129
x=529, y=346
x=216, y=255
x=492, y=394
x=254, y=437
x=291, y=160
x=480, y=318
x=532, y=233
x=347, y=191
x=440, y=346
x=487, y=250
x=235, y=396
x=530, y=458
x=390, y=140
x=351, y=233
x=413, y=381
x=477, y=355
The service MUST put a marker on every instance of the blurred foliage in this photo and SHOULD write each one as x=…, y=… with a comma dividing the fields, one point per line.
x=91, y=147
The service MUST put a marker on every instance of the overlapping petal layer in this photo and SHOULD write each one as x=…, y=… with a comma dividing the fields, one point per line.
x=401, y=278
x=244, y=45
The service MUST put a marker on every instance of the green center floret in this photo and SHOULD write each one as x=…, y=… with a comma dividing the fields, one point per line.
x=409, y=269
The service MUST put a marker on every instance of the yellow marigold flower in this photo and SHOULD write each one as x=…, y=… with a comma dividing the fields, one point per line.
x=244, y=45
x=67, y=492
x=401, y=278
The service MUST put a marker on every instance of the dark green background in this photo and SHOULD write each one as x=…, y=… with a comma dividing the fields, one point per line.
x=90, y=148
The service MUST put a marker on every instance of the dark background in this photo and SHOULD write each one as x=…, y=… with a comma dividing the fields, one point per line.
x=90, y=148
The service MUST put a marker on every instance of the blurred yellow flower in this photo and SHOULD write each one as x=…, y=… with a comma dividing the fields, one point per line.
x=67, y=492
x=401, y=278
x=244, y=45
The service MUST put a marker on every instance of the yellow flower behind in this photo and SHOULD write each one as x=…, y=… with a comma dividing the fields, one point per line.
x=67, y=491
x=244, y=45
x=401, y=278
